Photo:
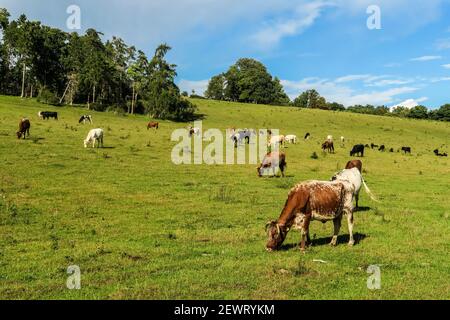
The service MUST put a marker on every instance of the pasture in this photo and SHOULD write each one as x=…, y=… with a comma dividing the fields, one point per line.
x=140, y=227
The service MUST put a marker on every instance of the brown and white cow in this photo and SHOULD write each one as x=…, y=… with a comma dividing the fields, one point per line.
x=313, y=200
x=354, y=164
x=153, y=125
x=273, y=160
x=24, y=128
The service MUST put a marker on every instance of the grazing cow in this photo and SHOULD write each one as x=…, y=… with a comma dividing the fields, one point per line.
x=242, y=135
x=327, y=145
x=271, y=161
x=355, y=177
x=406, y=150
x=24, y=128
x=436, y=152
x=193, y=131
x=313, y=200
x=275, y=140
x=84, y=118
x=153, y=125
x=357, y=149
x=367, y=146
x=291, y=138
x=95, y=135
x=48, y=114
x=382, y=148
x=391, y=150
x=342, y=140
x=307, y=136
x=372, y=145
x=354, y=164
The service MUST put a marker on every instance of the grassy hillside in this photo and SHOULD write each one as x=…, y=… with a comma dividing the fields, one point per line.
x=139, y=226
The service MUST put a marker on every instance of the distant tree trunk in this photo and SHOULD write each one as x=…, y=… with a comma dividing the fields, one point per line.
x=23, y=82
x=89, y=107
x=93, y=94
x=31, y=91
x=135, y=103
x=65, y=91
x=132, y=101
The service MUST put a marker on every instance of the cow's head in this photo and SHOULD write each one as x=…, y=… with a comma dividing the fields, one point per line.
x=86, y=143
x=276, y=234
x=19, y=134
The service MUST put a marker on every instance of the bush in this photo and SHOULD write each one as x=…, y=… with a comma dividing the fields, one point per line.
x=47, y=97
x=98, y=107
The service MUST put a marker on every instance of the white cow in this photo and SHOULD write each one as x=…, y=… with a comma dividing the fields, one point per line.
x=330, y=138
x=355, y=177
x=291, y=138
x=243, y=135
x=193, y=131
x=95, y=135
x=275, y=140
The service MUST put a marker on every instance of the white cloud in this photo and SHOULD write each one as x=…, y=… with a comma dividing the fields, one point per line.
x=337, y=92
x=446, y=66
x=390, y=82
x=433, y=80
x=392, y=65
x=304, y=16
x=426, y=58
x=199, y=86
x=442, y=44
x=409, y=103
x=352, y=77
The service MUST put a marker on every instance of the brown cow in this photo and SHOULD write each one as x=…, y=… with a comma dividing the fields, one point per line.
x=24, y=128
x=354, y=164
x=328, y=145
x=313, y=200
x=273, y=160
x=153, y=125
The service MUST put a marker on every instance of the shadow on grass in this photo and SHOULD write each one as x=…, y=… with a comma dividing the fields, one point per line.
x=342, y=239
x=362, y=209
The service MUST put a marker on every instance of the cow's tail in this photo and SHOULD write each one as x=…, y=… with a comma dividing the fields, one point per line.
x=368, y=191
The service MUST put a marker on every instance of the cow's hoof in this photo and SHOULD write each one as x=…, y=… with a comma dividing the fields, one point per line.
x=333, y=243
x=351, y=243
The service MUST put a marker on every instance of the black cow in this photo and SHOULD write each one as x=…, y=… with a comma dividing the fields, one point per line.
x=373, y=146
x=48, y=114
x=406, y=150
x=357, y=149
x=382, y=148
x=307, y=135
x=391, y=150
x=436, y=152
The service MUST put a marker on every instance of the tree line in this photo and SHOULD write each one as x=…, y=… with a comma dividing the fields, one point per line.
x=67, y=68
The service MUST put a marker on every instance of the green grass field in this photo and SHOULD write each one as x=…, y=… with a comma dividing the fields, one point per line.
x=140, y=227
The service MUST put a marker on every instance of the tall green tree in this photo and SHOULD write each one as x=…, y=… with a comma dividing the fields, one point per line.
x=310, y=99
x=418, y=112
x=216, y=88
x=163, y=96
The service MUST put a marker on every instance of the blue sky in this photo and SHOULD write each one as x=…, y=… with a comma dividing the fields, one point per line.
x=320, y=44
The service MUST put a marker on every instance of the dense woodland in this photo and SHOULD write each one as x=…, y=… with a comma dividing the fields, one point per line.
x=68, y=68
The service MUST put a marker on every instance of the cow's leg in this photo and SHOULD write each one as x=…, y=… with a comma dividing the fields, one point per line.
x=337, y=227
x=351, y=241
x=305, y=232
x=357, y=199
